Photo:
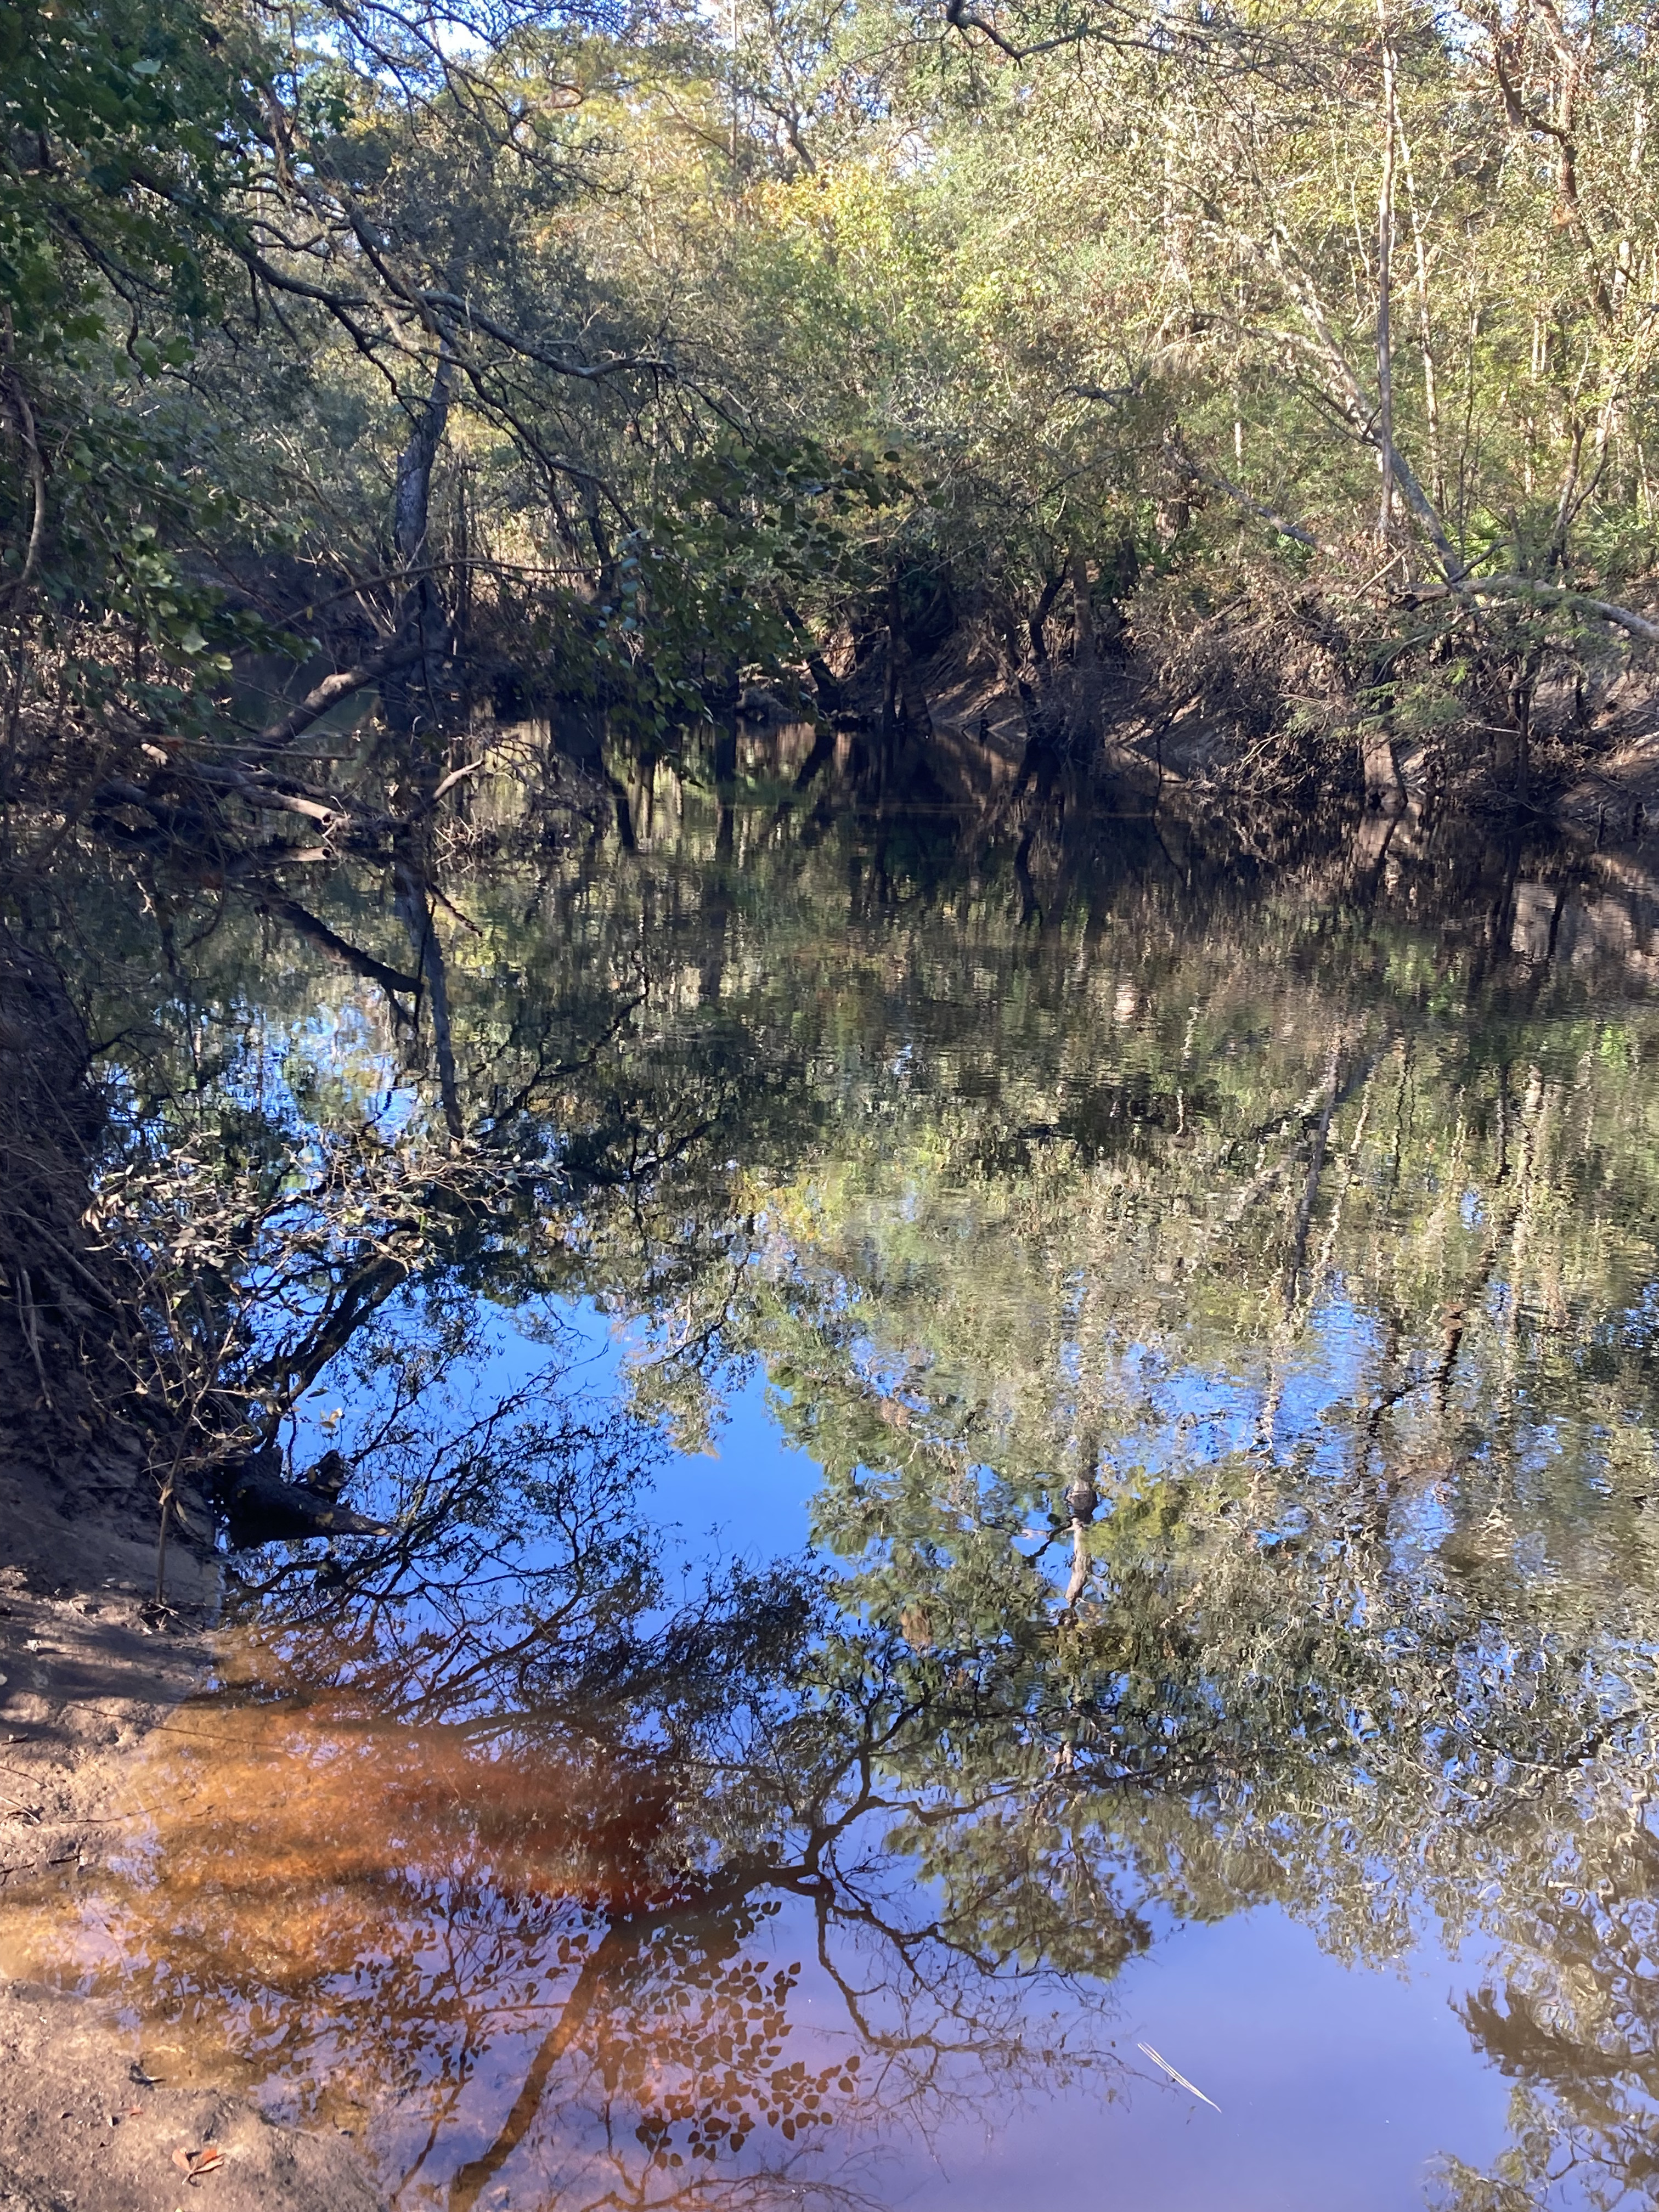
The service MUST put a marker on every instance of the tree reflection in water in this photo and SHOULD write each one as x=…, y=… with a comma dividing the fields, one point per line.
x=1321, y=1236
x=550, y=1944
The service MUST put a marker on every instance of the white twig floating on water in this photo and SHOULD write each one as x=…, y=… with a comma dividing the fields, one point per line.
x=1158, y=2060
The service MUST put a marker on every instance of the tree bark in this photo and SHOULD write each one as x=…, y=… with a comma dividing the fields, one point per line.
x=1385, y=788
x=1385, y=287
x=1426, y=332
x=1085, y=660
x=407, y=697
x=1083, y=616
x=892, y=698
x=1039, y=643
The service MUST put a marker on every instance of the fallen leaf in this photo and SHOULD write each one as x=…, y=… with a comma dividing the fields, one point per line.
x=195, y=2163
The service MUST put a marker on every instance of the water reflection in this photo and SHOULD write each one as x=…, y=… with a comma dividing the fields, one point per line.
x=551, y=1959
x=1317, y=1231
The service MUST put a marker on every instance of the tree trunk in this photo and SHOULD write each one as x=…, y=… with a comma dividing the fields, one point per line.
x=407, y=698
x=825, y=684
x=1384, y=289
x=1385, y=787
x=1426, y=335
x=1083, y=616
x=1039, y=643
x=892, y=694
x=1085, y=661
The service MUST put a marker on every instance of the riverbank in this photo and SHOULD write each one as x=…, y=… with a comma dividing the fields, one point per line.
x=1267, y=715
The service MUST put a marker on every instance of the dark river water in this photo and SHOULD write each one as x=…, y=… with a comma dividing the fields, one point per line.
x=1031, y=1571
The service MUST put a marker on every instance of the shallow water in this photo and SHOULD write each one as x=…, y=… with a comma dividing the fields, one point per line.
x=866, y=1198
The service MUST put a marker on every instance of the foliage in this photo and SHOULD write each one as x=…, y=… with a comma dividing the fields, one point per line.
x=662, y=300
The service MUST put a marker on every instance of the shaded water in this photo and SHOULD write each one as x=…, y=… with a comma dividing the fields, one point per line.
x=860, y=1182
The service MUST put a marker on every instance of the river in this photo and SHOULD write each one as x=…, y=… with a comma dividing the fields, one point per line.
x=1026, y=1556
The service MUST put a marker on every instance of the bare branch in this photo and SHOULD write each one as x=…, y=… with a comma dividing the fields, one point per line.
x=1525, y=587
x=333, y=689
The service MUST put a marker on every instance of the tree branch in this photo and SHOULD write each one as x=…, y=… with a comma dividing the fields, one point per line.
x=1524, y=587
x=333, y=689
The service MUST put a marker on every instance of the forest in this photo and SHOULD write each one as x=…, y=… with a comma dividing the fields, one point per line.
x=1262, y=398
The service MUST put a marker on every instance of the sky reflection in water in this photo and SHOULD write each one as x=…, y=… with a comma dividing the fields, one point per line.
x=1326, y=1234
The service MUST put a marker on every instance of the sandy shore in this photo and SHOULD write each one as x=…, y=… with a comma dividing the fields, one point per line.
x=88, y=1668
